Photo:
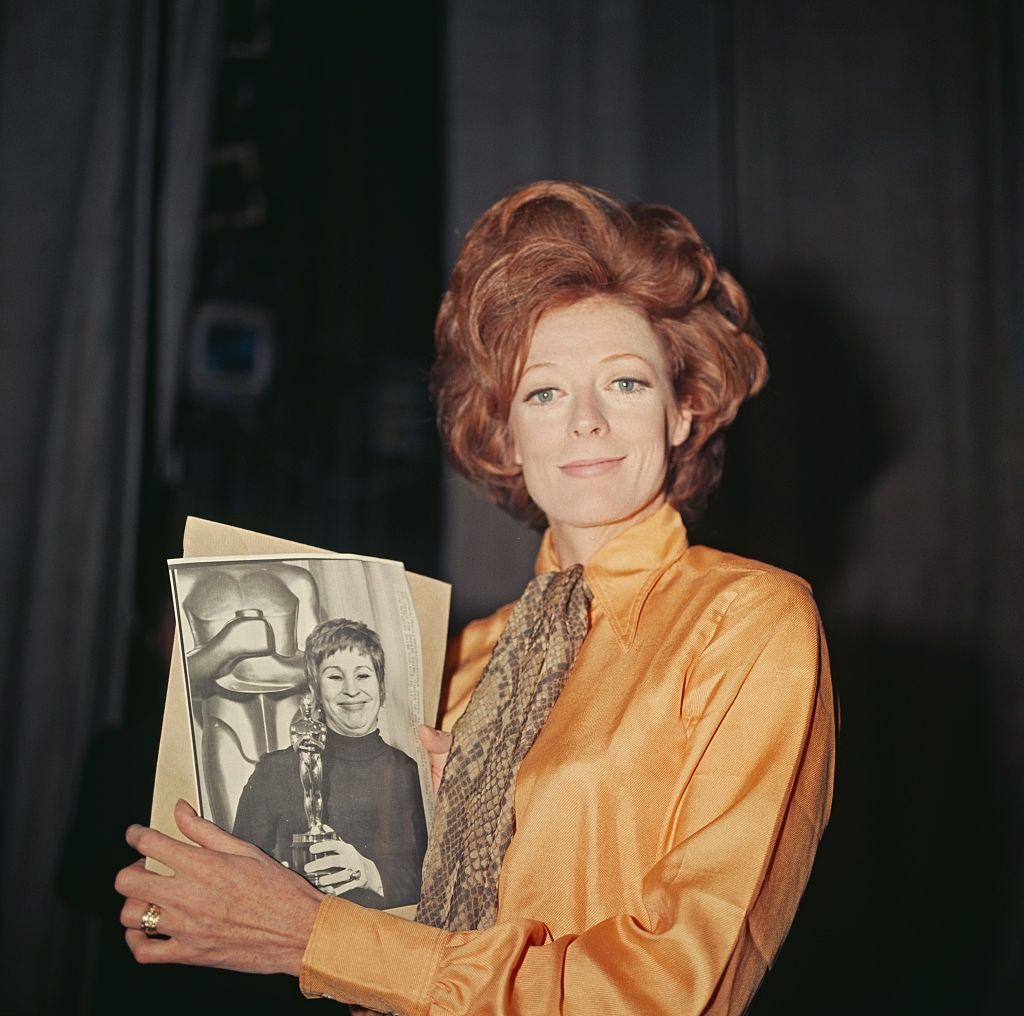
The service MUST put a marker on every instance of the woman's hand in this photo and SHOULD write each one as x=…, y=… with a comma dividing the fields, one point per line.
x=227, y=904
x=437, y=743
x=339, y=868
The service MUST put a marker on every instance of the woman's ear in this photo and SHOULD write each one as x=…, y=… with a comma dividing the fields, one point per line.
x=679, y=429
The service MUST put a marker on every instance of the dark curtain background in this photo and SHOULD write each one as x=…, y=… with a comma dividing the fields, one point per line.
x=858, y=166
x=158, y=159
x=102, y=141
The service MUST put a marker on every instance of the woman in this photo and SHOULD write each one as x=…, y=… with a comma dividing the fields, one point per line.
x=370, y=791
x=637, y=787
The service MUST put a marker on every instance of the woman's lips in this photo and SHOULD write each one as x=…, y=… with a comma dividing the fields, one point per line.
x=582, y=469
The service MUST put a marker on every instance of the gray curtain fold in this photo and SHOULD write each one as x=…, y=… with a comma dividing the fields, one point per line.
x=193, y=49
x=104, y=111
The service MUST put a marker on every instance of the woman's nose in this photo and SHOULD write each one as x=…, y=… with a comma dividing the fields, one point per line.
x=588, y=418
x=348, y=685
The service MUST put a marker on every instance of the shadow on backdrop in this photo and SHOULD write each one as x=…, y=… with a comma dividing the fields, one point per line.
x=887, y=924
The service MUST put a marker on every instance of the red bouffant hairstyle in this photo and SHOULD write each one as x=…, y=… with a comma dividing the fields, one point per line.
x=553, y=244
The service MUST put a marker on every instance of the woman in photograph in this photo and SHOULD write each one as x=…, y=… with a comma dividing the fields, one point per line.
x=641, y=753
x=368, y=792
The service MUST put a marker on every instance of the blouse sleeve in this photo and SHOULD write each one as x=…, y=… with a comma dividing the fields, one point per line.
x=716, y=906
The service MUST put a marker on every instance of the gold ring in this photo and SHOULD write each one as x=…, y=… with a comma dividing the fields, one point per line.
x=150, y=919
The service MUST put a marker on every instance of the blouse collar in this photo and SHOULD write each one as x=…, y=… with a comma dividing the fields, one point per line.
x=623, y=572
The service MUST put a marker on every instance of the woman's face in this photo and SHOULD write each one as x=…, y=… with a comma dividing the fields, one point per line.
x=594, y=419
x=349, y=692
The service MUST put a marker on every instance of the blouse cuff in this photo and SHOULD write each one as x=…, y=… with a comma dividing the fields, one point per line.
x=370, y=958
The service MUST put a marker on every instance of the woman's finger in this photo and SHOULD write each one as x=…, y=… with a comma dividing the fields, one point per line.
x=134, y=882
x=129, y=873
x=155, y=950
x=328, y=847
x=328, y=862
x=133, y=911
x=202, y=834
x=208, y=835
x=437, y=742
x=161, y=847
x=340, y=877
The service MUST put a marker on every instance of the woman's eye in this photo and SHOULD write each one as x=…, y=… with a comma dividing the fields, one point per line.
x=628, y=384
x=542, y=395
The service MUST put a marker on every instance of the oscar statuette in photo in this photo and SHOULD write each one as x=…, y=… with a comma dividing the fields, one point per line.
x=308, y=737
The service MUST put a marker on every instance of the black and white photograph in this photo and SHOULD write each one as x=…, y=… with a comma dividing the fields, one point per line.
x=305, y=687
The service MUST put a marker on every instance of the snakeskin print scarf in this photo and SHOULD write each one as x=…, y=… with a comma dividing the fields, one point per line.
x=473, y=815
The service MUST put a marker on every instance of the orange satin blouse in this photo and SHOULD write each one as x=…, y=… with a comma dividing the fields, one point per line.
x=667, y=815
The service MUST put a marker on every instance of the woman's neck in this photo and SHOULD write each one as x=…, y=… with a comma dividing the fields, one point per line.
x=578, y=544
x=353, y=747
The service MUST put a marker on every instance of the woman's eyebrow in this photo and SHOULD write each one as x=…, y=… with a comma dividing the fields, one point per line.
x=535, y=366
x=604, y=359
x=626, y=356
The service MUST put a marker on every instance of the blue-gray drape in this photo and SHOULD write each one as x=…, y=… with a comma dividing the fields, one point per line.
x=104, y=110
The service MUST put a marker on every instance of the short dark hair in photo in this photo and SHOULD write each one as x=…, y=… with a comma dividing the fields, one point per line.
x=330, y=637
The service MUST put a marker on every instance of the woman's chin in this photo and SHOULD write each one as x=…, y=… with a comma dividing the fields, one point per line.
x=348, y=730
